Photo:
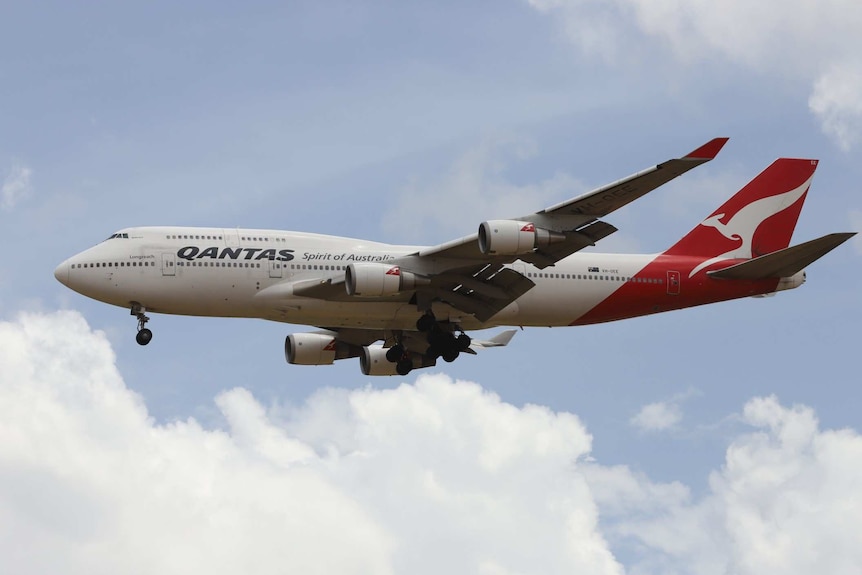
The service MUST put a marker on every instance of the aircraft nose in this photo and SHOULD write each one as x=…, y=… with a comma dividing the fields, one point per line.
x=62, y=273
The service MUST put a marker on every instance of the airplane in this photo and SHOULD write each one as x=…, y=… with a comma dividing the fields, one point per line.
x=399, y=308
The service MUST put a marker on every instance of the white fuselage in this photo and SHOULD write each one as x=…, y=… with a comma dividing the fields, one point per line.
x=252, y=273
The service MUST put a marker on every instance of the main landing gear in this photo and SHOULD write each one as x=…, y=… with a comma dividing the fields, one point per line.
x=401, y=358
x=442, y=342
x=144, y=335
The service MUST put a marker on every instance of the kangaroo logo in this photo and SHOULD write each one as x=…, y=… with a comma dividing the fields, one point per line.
x=742, y=226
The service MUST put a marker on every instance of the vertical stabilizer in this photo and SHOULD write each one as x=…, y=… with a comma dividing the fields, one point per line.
x=759, y=219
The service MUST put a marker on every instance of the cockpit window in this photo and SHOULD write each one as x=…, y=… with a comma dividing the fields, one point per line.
x=118, y=235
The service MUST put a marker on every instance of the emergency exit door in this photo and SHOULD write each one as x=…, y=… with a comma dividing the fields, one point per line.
x=673, y=283
x=169, y=265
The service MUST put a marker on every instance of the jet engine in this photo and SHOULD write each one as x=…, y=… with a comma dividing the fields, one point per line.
x=310, y=348
x=513, y=238
x=374, y=279
x=373, y=361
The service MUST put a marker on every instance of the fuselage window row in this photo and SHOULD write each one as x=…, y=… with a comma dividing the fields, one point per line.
x=220, y=264
x=210, y=237
x=152, y=264
x=112, y=264
x=596, y=277
x=315, y=267
x=195, y=237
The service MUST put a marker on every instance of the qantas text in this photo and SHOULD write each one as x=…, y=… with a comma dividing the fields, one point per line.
x=196, y=253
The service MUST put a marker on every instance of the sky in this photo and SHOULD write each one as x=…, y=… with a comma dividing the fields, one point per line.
x=711, y=440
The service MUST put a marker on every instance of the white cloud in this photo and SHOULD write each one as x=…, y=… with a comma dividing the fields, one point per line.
x=662, y=415
x=426, y=478
x=814, y=42
x=16, y=186
x=473, y=190
x=438, y=476
x=837, y=102
x=657, y=416
x=787, y=500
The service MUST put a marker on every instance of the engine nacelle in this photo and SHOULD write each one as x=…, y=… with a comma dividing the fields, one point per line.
x=373, y=279
x=373, y=361
x=310, y=348
x=513, y=238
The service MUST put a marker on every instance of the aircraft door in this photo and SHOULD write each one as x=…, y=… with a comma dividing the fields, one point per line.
x=673, y=283
x=231, y=238
x=169, y=265
x=276, y=269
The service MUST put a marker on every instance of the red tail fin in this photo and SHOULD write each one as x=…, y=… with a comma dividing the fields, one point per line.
x=757, y=220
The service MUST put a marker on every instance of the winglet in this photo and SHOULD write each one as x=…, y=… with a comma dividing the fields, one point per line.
x=709, y=150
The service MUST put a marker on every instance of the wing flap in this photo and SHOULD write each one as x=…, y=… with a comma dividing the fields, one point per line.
x=783, y=263
x=482, y=293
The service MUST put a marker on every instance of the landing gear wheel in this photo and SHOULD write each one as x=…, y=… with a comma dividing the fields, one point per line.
x=451, y=354
x=404, y=366
x=144, y=336
x=463, y=341
x=395, y=353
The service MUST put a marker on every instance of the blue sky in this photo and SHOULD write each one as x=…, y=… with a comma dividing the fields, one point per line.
x=413, y=123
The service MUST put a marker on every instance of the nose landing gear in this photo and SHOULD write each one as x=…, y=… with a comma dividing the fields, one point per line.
x=144, y=335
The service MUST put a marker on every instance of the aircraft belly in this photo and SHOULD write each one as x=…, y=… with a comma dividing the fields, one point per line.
x=370, y=315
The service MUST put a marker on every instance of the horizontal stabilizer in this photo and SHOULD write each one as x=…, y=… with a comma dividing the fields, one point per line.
x=783, y=263
x=499, y=340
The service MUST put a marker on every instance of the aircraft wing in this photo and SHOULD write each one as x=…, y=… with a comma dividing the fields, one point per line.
x=578, y=218
x=481, y=282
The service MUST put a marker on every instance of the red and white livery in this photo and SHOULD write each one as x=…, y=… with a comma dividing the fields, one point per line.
x=399, y=308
